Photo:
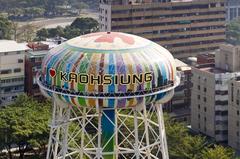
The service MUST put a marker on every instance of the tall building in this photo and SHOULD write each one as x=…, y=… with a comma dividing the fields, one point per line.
x=11, y=70
x=209, y=97
x=184, y=27
x=179, y=107
x=232, y=9
x=234, y=113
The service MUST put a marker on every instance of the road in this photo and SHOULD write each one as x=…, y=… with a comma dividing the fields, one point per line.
x=54, y=22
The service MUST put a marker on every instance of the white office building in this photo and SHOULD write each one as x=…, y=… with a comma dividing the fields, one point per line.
x=12, y=77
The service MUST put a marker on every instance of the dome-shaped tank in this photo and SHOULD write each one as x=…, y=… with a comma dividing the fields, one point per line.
x=109, y=69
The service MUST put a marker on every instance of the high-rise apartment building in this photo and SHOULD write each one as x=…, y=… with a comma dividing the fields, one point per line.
x=210, y=93
x=11, y=70
x=184, y=27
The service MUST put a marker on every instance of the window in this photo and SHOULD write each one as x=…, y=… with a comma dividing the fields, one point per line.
x=205, y=109
x=212, y=5
x=198, y=96
x=198, y=106
x=198, y=87
x=7, y=89
x=218, y=82
x=20, y=60
x=222, y=113
x=221, y=102
x=16, y=70
x=6, y=71
x=237, y=123
x=205, y=99
x=238, y=112
x=217, y=92
x=205, y=89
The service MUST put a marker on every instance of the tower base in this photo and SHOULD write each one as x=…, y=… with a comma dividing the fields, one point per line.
x=81, y=133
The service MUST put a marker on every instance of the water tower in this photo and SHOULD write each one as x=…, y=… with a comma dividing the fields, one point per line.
x=107, y=89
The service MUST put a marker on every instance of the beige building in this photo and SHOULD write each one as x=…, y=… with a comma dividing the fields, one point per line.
x=209, y=98
x=234, y=113
x=12, y=76
x=184, y=27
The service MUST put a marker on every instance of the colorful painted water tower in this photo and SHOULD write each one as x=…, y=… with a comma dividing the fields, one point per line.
x=107, y=90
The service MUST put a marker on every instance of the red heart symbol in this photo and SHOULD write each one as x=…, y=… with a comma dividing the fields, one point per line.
x=52, y=72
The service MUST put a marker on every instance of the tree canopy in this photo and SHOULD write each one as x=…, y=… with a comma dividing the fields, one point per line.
x=233, y=32
x=183, y=145
x=25, y=124
x=36, y=8
x=6, y=28
x=218, y=152
x=79, y=27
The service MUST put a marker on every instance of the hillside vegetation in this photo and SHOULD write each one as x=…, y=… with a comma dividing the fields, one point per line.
x=27, y=9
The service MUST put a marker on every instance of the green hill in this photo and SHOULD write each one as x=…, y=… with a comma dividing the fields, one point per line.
x=40, y=8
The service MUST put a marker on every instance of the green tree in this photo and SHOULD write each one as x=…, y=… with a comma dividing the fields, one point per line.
x=182, y=145
x=218, y=152
x=190, y=148
x=6, y=28
x=233, y=32
x=70, y=32
x=34, y=11
x=25, y=124
x=42, y=34
x=27, y=32
x=86, y=25
x=53, y=32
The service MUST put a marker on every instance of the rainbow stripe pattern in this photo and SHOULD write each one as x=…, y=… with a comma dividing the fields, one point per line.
x=66, y=69
x=112, y=54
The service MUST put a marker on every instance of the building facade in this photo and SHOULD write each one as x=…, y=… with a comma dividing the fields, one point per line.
x=11, y=70
x=184, y=27
x=234, y=113
x=232, y=9
x=179, y=107
x=33, y=61
x=210, y=93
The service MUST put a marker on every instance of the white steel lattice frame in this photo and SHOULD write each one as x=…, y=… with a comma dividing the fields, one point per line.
x=76, y=133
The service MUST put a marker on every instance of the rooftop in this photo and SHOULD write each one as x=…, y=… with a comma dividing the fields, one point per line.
x=11, y=46
x=182, y=0
x=180, y=63
x=181, y=66
x=213, y=69
x=237, y=79
x=40, y=53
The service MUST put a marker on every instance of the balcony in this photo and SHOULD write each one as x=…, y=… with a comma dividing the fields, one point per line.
x=11, y=84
